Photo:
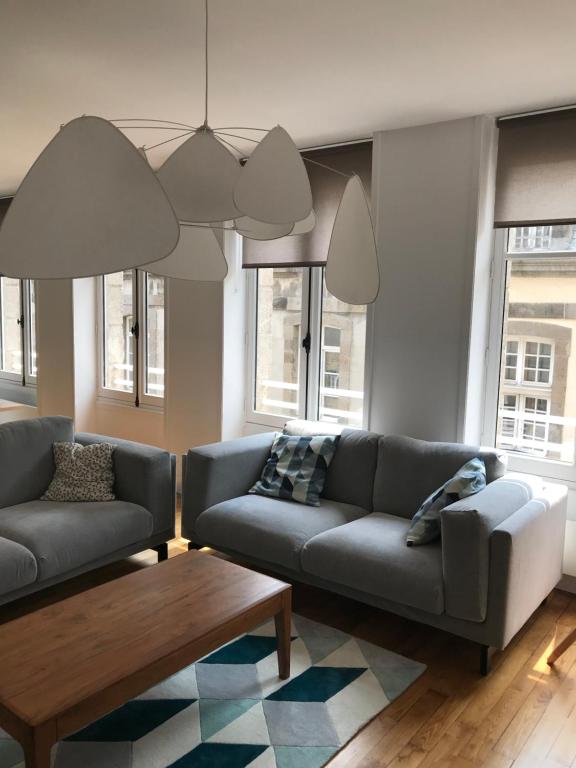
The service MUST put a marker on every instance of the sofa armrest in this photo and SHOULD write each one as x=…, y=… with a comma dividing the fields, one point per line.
x=466, y=528
x=220, y=471
x=526, y=554
x=144, y=475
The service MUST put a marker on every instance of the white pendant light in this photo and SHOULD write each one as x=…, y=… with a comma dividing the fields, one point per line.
x=198, y=256
x=89, y=205
x=305, y=225
x=274, y=187
x=258, y=230
x=352, y=273
x=199, y=179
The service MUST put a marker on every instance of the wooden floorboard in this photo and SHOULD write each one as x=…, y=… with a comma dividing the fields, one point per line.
x=521, y=716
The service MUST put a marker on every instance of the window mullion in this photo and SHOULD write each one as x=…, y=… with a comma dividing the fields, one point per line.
x=305, y=345
x=315, y=315
x=23, y=323
x=138, y=335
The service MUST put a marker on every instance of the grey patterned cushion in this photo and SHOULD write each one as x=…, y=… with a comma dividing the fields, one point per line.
x=296, y=468
x=83, y=473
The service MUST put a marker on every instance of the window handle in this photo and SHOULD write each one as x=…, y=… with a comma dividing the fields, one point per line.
x=20, y=321
x=306, y=342
x=135, y=330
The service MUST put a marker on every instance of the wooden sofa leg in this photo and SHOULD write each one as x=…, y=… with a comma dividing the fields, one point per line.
x=486, y=653
x=162, y=550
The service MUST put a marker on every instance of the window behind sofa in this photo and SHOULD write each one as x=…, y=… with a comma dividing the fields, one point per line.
x=306, y=349
x=131, y=337
x=531, y=359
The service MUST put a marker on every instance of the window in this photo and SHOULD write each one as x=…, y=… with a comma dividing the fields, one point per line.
x=343, y=328
x=132, y=337
x=154, y=374
x=528, y=361
x=534, y=417
x=307, y=349
x=18, y=331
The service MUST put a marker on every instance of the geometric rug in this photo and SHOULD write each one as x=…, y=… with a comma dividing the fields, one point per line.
x=231, y=710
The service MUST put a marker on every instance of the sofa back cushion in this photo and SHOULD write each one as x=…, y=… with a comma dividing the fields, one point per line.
x=350, y=476
x=409, y=470
x=27, y=458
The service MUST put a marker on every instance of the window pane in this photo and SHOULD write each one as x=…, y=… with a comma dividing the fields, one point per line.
x=154, y=376
x=342, y=353
x=11, y=338
x=32, y=355
x=279, y=316
x=540, y=323
x=510, y=402
x=556, y=237
x=118, y=338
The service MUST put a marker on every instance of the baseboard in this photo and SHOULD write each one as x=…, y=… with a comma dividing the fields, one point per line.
x=568, y=583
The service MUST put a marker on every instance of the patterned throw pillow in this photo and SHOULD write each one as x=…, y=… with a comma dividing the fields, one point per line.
x=83, y=473
x=297, y=467
x=425, y=526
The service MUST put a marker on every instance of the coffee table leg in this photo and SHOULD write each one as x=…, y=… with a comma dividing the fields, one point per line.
x=283, y=621
x=38, y=748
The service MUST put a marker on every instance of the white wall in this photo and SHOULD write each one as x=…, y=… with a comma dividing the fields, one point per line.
x=55, y=347
x=234, y=341
x=85, y=353
x=427, y=197
x=193, y=409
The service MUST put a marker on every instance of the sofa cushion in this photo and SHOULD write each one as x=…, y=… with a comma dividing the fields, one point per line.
x=370, y=555
x=296, y=468
x=271, y=530
x=83, y=473
x=26, y=456
x=410, y=470
x=63, y=536
x=350, y=476
x=425, y=525
x=17, y=566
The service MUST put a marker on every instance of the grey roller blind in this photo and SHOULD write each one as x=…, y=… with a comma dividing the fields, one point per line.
x=311, y=249
x=4, y=203
x=536, y=176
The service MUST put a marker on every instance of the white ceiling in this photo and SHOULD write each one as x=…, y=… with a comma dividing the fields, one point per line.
x=327, y=70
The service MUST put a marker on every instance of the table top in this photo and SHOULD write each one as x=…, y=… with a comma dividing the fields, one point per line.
x=59, y=656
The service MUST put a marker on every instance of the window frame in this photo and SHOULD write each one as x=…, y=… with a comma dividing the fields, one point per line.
x=151, y=401
x=534, y=465
x=27, y=288
x=311, y=364
x=138, y=397
x=26, y=378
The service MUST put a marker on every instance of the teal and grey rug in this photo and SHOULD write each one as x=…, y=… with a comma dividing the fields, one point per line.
x=231, y=710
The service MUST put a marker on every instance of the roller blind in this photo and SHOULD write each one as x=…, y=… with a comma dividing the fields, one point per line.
x=4, y=203
x=311, y=249
x=536, y=170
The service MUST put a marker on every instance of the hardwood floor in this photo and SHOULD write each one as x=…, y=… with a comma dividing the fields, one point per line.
x=522, y=716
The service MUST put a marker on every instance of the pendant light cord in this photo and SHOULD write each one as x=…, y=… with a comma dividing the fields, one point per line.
x=206, y=63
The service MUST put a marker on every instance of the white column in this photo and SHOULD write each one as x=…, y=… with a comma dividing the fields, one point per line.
x=430, y=205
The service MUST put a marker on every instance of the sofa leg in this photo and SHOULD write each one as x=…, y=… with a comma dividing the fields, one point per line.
x=486, y=653
x=192, y=545
x=162, y=550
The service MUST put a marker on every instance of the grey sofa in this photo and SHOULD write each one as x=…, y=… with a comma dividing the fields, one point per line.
x=44, y=542
x=499, y=557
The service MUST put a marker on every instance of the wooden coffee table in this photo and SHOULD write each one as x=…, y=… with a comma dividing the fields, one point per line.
x=65, y=666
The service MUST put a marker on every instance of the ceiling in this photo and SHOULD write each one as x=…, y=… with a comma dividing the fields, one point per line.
x=327, y=70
